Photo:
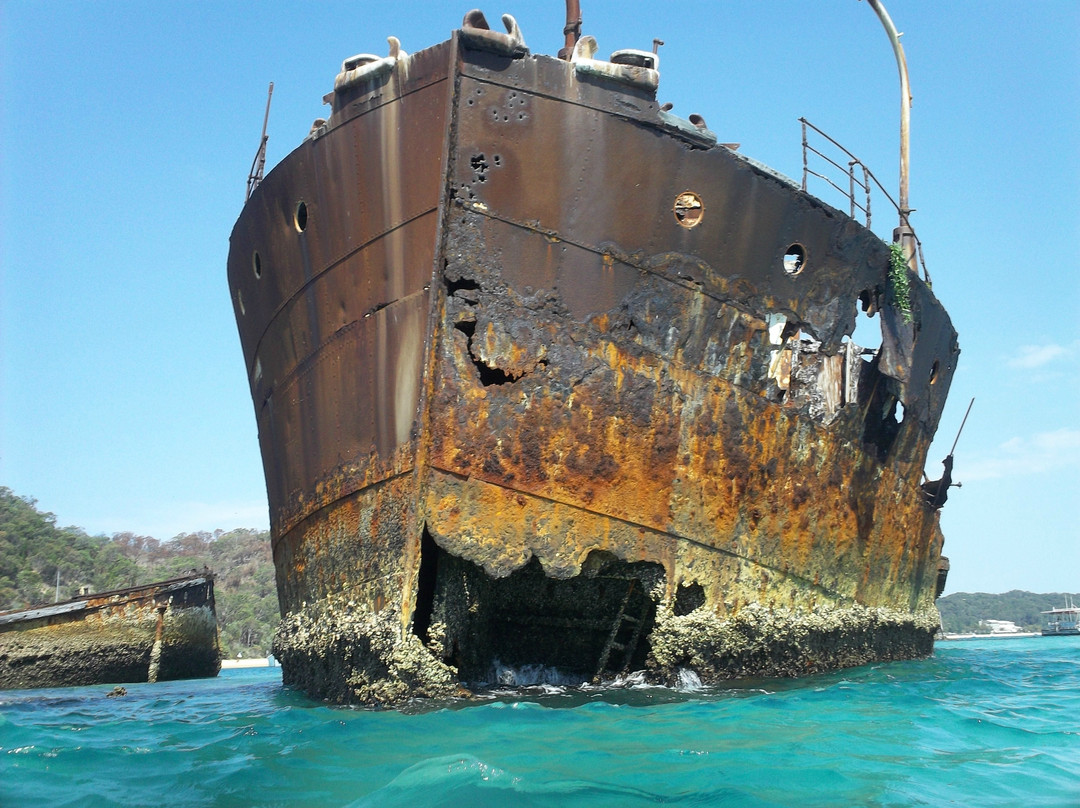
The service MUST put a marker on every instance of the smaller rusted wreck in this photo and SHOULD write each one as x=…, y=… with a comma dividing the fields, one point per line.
x=547, y=377
x=152, y=633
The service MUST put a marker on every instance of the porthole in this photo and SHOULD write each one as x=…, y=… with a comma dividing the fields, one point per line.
x=689, y=209
x=300, y=216
x=256, y=264
x=795, y=259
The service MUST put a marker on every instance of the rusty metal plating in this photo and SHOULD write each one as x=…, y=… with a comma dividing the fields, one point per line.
x=544, y=363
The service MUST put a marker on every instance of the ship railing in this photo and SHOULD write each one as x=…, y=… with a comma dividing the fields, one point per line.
x=858, y=178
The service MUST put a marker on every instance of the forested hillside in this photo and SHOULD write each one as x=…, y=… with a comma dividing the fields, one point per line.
x=962, y=611
x=33, y=549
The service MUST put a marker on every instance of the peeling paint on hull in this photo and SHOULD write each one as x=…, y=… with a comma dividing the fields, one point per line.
x=511, y=407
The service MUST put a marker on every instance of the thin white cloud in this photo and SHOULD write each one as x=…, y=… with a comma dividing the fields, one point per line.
x=1042, y=452
x=1035, y=356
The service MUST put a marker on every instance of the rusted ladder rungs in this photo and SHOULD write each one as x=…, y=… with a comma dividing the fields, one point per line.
x=612, y=644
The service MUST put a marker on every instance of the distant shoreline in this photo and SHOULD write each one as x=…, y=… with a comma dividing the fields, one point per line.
x=1010, y=636
x=253, y=662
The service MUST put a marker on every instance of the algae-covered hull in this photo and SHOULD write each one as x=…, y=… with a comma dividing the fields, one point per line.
x=157, y=632
x=546, y=376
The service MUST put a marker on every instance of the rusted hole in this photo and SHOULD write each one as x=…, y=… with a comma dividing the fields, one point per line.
x=934, y=372
x=688, y=598
x=492, y=376
x=867, y=331
x=425, y=585
x=256, y=264
x=300, y=216
x=689, y=209
x=866, y=300
x=461, y=284
x=882, y=407
x=489, y=376
x=479, y=167
x=505, y=629
x=795, y=259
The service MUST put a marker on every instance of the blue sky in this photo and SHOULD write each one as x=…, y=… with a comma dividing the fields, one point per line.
x=127, y=130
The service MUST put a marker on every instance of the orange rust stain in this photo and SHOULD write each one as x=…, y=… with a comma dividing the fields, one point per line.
x=670, y=449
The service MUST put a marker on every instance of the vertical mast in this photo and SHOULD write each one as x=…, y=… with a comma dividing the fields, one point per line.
x=903, y=233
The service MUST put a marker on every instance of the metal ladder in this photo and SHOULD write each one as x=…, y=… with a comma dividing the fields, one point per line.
x=613, y=644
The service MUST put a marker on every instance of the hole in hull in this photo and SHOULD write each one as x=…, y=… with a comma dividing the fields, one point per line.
x=595, y=624
x=425, y=585
x=884, y=411
x=488, y=375
x=688, y=598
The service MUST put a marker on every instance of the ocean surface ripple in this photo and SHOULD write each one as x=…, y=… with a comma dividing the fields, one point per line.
x=982, y=722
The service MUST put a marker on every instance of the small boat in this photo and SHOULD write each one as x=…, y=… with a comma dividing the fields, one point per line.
x=1063, y=621
x=155, y=632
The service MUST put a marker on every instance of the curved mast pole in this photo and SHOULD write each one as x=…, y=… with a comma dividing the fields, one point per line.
x=572, y=30
x=903, y=234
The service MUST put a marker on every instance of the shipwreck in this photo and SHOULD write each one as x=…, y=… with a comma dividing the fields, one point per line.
x=150, y=633
x=545, y=375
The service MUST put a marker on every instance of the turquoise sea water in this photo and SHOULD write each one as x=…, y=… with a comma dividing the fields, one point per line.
x=981, y=723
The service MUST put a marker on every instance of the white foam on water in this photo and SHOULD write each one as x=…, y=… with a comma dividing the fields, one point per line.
x=635, y=679
x=530, y=676
x=688, y=680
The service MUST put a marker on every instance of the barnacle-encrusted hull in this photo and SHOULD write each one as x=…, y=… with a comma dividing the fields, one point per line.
x=544, y=376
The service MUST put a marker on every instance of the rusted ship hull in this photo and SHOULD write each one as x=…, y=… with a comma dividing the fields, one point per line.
x=521, y=400
x=157, y=632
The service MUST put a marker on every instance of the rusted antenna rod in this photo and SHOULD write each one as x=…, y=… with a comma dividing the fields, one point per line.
x=966, y=414
x=259, y=163
x=902, y=234
x=572, y=30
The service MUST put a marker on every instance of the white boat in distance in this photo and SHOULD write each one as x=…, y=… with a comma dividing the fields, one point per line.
x=1062, y=621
